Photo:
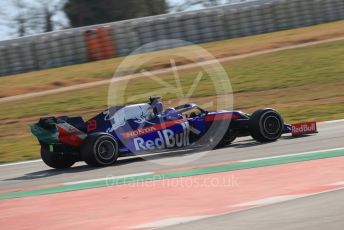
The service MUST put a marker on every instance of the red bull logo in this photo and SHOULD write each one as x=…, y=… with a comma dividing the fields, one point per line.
x=140, y=113
x=304, y=128
x=166, y=139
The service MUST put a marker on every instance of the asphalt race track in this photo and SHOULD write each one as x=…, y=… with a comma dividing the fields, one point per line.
x=324, y=211
x=331, y=135
x=317, y=210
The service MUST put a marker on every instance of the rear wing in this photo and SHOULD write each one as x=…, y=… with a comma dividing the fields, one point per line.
x=69, y=134
x=54, y=130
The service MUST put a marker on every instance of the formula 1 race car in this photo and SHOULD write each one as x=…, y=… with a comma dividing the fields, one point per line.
x=147, y=128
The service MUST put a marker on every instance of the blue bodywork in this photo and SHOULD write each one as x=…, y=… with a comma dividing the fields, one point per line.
x=168, y=130
x=142, y=128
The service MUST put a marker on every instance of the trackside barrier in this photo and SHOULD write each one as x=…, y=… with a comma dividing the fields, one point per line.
x=98, y=42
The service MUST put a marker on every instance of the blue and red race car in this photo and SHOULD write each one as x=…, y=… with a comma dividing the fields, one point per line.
x=147, y=128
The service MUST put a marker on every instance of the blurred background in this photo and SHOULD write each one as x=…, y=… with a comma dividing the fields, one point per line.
x=26, y=17
x=56, y=56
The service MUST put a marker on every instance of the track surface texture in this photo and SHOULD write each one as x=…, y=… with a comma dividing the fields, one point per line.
x=324, y=211
x=31, y=174
x=295, y=195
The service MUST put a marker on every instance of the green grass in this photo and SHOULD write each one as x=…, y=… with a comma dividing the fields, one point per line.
x=93, y=71
x=18, y=149
x=313, y=68
x=322, y=112
x=304, y=84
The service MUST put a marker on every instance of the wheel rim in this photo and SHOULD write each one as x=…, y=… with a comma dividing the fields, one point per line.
x=106, y=150
x=272, y=125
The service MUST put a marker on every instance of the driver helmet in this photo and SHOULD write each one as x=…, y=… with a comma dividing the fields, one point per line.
x=156, y=105
x=158, y=108
x=172, y=114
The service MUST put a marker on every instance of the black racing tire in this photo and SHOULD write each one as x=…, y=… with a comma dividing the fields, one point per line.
x=227, y=139
x=99, y=150
x=266, y=125
x=56, y=160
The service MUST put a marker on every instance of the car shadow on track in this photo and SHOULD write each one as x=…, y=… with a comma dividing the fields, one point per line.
x=51, y=172
x=296, y=137
x=75, y=169
x=153, y=156
x=244, y=144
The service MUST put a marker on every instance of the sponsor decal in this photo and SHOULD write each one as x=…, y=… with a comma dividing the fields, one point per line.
x=166, y=139
x=138, y=132
x=70, y=135
x=303, y=128
x=140, y=113
x=146, y=130
x=91, y=125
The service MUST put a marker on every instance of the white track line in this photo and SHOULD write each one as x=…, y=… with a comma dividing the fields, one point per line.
x=109, y=179
x=331, y=122
x=290, y=155
x=337, y=183
x=280, y=199
x=20, y=163
x=160, y=71
x=170, y=222
x=268, y=201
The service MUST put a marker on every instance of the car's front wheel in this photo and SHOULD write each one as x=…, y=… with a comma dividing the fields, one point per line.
x=227, y=139
x=99, y=150
x=57, y=160
x=266, y=125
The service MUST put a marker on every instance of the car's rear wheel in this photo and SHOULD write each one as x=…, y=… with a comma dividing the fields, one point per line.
x=99, y=150
x=57, y=160
x=266, y=125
